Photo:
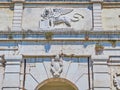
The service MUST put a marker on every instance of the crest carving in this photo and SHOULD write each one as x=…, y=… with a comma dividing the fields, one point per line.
x=57, y=66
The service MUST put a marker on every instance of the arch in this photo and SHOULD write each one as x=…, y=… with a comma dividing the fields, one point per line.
x=56, y=83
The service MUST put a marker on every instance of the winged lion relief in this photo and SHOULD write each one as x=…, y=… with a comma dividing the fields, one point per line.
x=57, y=16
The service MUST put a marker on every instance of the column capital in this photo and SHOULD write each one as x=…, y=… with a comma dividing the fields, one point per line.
x=18, y=0
x=96, y=1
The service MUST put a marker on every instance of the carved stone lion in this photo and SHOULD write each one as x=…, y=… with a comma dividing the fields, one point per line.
x=56, y=16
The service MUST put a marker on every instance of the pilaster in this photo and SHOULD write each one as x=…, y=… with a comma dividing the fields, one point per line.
x=12, y=73
x=18, y=12
x=2, y=64
x=97, y=14
x=101, y=76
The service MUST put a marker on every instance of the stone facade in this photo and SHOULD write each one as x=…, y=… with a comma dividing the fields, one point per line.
x=59, y=45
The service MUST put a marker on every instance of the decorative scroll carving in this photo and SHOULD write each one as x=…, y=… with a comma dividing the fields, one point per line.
x=116, y=81
x=57, y=66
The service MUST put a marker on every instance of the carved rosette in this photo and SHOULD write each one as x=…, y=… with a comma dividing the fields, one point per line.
x=56, y=66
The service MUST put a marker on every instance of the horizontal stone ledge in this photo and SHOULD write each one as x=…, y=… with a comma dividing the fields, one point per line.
x=51, y=55
x=57, y=39
x=102, y=88
x=114, y=64
x=10, y=88
x=112, y=48
x=96, y=0
x=100, y=57
x=12, y=62
x=18, y=0
x=101, y=73
x=12, y=69
x=7, y=48
x=13, y=57
x=65, y=31
x=100, y=69
x=56, y=2
x=100, y=63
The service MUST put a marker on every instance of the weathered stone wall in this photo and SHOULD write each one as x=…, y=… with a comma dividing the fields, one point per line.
x=6, y=18
x=26, y=61
x=111, y=19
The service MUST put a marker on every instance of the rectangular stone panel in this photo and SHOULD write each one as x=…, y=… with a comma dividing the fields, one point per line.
x=101, y=80
x=67, y=15
x=6, y=16
x=12, y=69
x=100, y=68
x=111, y=19
x=11, y=80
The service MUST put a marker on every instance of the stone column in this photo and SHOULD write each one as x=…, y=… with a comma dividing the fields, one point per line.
x=18, y=12
x=101, y=76
x=12, y=73
x=97, y=14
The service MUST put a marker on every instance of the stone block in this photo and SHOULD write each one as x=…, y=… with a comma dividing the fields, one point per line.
x=101, y=80
x=11, y=80
x=100, y=57
x=18, y=11
x=18, y=0
x=102, y=89
x=12, y=69
x=13, y=57
x=97, y=6
x=13, y=63
x=18, y=7
x=10, y=89
x=19, y=4
x=15, y=28
x=96, y=0
x=17, y=18
x=97, y=18
x=100, y=68
x=17, y=21
x=17, y=14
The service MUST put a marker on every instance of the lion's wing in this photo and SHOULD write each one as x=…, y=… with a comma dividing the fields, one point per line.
x=61, y=11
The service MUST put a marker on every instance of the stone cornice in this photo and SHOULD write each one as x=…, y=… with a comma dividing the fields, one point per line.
x=18, y=1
